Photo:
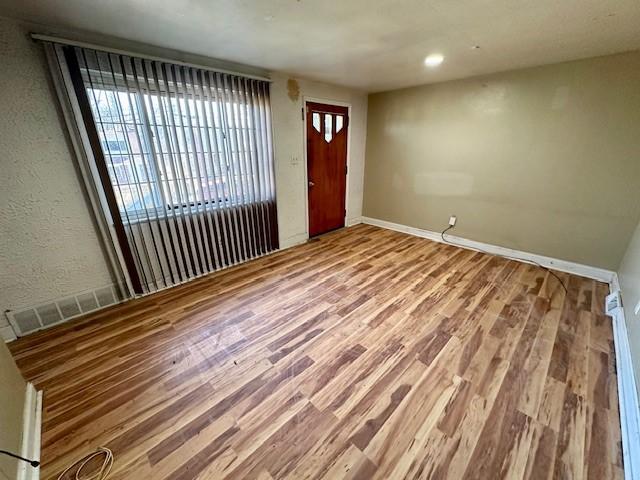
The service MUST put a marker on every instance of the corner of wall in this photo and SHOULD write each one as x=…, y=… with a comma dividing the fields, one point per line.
x=13, y=389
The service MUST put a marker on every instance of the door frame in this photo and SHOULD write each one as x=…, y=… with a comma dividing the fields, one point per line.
x=337, y=103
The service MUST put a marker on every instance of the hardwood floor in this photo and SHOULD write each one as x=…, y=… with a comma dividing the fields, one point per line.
x=364, y=354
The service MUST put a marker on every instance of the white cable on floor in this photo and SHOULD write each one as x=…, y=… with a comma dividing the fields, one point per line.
x=101, y=474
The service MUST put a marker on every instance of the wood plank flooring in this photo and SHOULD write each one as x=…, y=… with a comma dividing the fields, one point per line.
x=364, y=354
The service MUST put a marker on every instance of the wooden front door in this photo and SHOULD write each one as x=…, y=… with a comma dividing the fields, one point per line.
x=326, y=166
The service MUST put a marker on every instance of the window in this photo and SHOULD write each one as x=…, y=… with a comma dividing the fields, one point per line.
x=115, y=146
x=164, y=152
x=328, y=122
x=181, y=161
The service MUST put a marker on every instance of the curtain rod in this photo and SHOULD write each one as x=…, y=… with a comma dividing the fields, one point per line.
x=92, y=46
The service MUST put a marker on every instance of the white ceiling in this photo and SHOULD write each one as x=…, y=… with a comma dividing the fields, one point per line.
x=368, y=44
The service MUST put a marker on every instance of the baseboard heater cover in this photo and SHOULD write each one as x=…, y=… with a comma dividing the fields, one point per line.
x=44, y=315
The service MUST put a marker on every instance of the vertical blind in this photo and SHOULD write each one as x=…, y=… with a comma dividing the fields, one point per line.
x=184, y=157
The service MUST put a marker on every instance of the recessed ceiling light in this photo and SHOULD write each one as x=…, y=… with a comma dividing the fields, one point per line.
x=433, y=60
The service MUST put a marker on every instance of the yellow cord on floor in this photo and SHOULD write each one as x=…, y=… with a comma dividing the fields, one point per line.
x=101, y=474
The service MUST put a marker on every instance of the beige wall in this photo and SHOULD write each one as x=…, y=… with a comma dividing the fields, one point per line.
x=12, y=392
x=544, y=160
x=49, y=247
x=629, y=275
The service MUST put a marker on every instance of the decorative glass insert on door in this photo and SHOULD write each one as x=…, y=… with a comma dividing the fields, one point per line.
x=316, y=121
x=328, y=127
x=329, y=123
x=330, y=120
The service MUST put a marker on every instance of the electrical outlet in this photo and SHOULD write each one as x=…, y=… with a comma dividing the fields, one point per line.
x=637, y=309
x=452, y=220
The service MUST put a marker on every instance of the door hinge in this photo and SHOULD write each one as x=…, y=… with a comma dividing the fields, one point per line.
x=346, y=169
x=302, y=113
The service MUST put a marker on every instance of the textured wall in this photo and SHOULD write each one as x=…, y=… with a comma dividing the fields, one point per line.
x=629, y=274
x=12, y=392
x=48, y=244
x=291, y=183
x=544, y=160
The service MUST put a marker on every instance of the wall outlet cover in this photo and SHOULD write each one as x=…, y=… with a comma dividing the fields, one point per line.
x=452, y=220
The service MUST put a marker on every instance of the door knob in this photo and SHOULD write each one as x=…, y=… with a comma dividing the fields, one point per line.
x=311, y=184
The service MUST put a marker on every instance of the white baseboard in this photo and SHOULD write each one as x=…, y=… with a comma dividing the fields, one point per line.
x=301, y=238
x=31, y=430
x=293, y=240
x=353, y=221
x=587, y=271
x=627, y=393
